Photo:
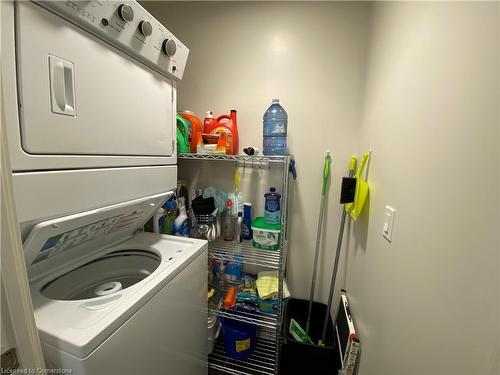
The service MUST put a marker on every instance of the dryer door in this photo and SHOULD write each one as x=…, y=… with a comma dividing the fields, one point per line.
x=80, y=96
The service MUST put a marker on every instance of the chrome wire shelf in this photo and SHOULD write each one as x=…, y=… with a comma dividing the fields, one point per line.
x=266, y=357
x=269, y=321
x=239, y=158
x=265, y=320
x=262, y=361
x=227, y=250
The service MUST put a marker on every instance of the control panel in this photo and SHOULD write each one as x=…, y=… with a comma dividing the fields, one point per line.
x=129, y=27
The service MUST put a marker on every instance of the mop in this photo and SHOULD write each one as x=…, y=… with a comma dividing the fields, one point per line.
x=326, y=175
x=297, y=332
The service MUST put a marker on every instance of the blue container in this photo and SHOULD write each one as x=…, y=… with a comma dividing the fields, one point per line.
x=239, y=338
x=275, y=129
x=272, y=210
x=246, y=227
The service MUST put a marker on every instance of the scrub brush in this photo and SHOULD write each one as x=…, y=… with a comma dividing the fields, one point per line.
x=348, y=190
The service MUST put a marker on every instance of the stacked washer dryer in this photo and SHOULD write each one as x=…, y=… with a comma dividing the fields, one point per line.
x=89, y=89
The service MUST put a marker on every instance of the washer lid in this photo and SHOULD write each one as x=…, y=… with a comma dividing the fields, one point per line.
x=54, y=244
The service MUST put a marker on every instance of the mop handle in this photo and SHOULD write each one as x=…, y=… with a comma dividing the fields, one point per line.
x=326, y=175
x=336, y=264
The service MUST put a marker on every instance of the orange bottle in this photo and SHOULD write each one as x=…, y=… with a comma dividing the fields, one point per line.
x=230, y=127
x=222, y=144
x=230, y=299
x=196, y=128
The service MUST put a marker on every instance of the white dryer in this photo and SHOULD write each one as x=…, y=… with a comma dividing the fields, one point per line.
x=110, y=300
x=90, y=104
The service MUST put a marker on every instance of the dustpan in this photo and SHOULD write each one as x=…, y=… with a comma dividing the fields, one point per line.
x=355, y=208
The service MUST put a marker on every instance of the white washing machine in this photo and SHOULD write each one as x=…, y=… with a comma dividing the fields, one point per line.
x=110, y=300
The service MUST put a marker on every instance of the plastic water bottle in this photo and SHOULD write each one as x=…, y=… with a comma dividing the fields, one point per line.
x=272, y=211
x=275, y=127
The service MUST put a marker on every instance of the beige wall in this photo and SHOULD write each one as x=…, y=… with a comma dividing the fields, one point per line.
x=428, y=303
x=418, y=82
x=311, y=56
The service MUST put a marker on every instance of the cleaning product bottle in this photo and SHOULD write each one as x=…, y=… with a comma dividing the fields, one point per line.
x=170, y=215
x=200, y=146
x=272, y=212
x=209, y=123
x=182, y=223
x=196, y=128
x=182, y=135
x=275, y=129
x=237, y=227
x=246, y=227
x=221, y=143
x=159, y=220
x=230, y=127
x=227, y=222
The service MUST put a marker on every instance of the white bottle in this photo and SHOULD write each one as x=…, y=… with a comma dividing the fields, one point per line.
x=237, y=227
x=181, y=222
x=160, y=213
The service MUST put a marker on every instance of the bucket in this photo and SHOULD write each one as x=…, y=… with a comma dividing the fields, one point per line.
x=298, y=357
x=239, y=338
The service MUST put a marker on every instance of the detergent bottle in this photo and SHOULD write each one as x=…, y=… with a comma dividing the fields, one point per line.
x=230, y=127
x=182, y=135
x=272, y=212
x=196, y=128
x=209, y=123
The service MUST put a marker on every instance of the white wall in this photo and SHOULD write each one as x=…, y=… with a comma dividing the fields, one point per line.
x=311, y=56
x=418, y=82
x=429, y=302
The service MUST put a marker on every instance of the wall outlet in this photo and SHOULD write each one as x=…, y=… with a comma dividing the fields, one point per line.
x=388, y=223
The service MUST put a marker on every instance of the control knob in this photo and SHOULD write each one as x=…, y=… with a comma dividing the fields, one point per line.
x=145, y=28
x=126, y=12
x=169, y=47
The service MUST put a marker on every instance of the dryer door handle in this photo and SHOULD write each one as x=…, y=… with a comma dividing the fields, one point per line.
x=62, y=86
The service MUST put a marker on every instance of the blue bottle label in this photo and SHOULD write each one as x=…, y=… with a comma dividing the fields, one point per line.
x=246, y=232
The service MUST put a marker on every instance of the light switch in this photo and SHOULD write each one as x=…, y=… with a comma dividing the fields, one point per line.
x=388, y=223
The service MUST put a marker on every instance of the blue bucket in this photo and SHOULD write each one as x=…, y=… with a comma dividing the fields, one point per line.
x=239, y=338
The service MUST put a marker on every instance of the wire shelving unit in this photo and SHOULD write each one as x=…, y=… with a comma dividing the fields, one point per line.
x=266, y=357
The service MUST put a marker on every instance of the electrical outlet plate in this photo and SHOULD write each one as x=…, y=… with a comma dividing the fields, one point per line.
x=388, y=223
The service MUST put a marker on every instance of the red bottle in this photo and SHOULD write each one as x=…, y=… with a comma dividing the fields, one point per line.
x=209, y=122
x=230, y=127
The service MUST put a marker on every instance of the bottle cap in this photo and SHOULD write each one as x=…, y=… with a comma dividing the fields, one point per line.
x=276, y=100
x=209, y=114
x=240, y=214
x=247, y=204
x=229, y=203
x=272, y=190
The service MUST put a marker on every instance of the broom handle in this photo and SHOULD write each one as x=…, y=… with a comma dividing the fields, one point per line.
x=335, y=267
x=315, y=266
x=326, y=174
